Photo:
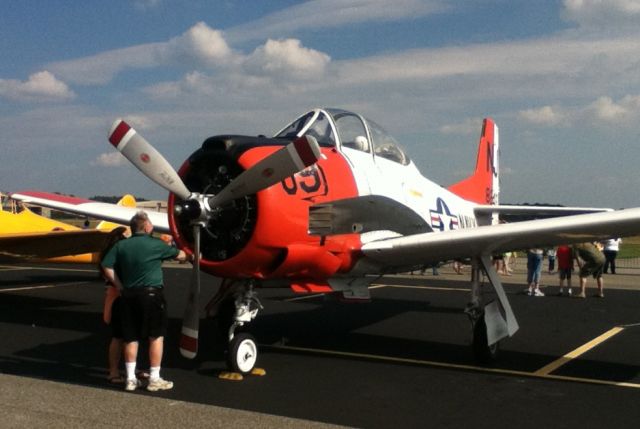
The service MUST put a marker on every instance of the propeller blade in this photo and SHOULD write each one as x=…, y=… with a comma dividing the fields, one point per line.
x=148, y=160
x=191, y=318
x=292, y=158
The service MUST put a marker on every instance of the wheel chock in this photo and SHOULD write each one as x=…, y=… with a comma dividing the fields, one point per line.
x=260, y=372
x=231, y=376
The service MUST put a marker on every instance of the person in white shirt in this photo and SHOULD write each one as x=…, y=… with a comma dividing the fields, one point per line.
x=611, y=248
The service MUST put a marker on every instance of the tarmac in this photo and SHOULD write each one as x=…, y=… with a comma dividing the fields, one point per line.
x=34, y=403
x=35, y=399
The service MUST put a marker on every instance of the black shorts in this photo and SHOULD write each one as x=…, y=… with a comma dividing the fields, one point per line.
x=115, y=327
x=144, y=314
x=591, y=269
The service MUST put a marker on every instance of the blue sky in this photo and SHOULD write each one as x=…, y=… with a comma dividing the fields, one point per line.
x=561, y=78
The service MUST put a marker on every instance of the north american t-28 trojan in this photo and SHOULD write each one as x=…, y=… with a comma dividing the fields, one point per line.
x=324, y=206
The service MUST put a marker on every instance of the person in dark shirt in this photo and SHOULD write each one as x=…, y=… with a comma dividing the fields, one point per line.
x=134, y=265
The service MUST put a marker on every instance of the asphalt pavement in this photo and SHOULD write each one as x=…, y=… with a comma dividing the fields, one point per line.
x=402, y=360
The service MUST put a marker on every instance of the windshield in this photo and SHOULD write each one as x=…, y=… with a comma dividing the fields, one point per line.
x=312, y=124
x=386, y=146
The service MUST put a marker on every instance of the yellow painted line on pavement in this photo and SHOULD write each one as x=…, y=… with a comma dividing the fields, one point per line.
x=579, y=351
x=456, y=289
x=452, y=366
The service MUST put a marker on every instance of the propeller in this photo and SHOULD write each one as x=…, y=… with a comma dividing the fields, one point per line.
x=191, y=317
x=199, y=208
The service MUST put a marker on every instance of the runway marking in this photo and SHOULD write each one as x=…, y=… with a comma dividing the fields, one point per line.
x=42, y=286
x=381, y=285
x=456, y=289
x=3, y=267
x=579, y=351
x=453, y=366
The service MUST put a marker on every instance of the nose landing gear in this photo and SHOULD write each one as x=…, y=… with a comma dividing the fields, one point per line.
x=236, y=305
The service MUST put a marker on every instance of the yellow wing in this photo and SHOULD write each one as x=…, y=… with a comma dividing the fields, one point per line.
x=43, y=245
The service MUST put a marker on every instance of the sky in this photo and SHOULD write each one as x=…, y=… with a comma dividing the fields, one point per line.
x=561, y=79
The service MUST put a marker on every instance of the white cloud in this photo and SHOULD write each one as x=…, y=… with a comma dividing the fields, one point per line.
x=603, y=111
x=610, y=14
x=606, y=110
x=146, y=4
x=110, y=159
x=546, y=115
x=286, y=58
x=41, y=86
x=200, y=45
x=333, y=13
x=468, y=127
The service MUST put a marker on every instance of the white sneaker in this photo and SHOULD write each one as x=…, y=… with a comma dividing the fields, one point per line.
x=538, y=292
x=131, y=385
x=159, y=384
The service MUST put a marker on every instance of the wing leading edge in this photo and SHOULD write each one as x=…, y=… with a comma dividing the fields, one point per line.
x=104, y=211
x=486, y=240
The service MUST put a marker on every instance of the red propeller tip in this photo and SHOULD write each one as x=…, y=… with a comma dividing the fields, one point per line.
x=119, y=129
x=189, y=343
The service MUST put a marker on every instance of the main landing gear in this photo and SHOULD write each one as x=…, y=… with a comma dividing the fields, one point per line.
x=489, y=325
x=235, y=305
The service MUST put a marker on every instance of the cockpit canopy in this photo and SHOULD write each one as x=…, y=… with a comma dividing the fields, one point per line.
x=344, y=129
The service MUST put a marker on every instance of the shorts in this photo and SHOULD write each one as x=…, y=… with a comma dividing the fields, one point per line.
x=591, y=269
x=144, y=314
x=115, y=326
x=565, y=273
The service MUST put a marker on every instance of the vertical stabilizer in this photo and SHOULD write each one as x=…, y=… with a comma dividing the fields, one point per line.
x=483, y=186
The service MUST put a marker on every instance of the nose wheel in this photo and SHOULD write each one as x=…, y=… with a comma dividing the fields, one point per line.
x=243, y=353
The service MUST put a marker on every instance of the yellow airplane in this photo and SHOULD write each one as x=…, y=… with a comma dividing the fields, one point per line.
x=27, y=236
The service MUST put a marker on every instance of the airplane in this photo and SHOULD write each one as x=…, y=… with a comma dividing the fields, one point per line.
x=328, y=205
x=27, y=236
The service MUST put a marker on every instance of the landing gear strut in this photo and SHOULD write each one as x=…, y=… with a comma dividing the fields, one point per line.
x=488, y=323
x=235, y=306
x=243, y=351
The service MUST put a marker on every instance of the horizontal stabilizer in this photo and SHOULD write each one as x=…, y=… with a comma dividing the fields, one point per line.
x=364, y=214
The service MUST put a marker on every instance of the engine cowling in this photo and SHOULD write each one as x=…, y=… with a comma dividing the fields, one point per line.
x=252, y=236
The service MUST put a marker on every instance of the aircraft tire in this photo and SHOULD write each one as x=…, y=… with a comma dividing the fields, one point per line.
x=482, y=352
x=243, y=353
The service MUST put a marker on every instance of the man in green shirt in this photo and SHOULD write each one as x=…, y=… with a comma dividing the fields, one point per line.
x=134, y=265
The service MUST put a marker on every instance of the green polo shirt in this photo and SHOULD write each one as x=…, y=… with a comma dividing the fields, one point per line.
x=138, y=260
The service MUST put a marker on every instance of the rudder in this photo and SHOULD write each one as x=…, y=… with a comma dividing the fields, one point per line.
x=483, y=186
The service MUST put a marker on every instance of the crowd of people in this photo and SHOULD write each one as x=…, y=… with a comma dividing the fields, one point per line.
x=591, y=259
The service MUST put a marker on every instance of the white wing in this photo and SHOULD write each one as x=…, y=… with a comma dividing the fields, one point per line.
x=485, y=240
x=104, y=211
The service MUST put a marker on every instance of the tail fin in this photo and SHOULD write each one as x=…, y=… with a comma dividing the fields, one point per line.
x=126, y=201
x=483, y=186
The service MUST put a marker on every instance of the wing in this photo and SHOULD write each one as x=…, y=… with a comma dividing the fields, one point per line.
x=485, y=240
x=104, y=211
x=44, y=245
